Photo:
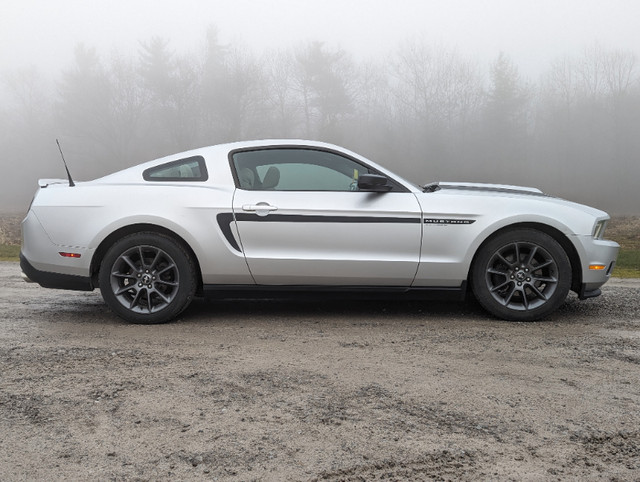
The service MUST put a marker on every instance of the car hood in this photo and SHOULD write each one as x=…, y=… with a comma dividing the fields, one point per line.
x=503, y=190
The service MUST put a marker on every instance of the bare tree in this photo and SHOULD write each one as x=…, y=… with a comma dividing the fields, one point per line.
x=438, y=98
x=506, y=121
x=324, y=80
x=283, y=101
x=83, y=110
x=589, y=121
x=172, y=84
x=26, y=135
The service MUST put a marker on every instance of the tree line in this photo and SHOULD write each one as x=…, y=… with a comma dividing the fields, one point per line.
x=427, y=112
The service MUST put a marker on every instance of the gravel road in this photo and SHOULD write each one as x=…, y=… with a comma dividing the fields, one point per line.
x=317, y=391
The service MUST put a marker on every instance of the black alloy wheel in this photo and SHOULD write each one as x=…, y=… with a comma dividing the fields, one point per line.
x=521, y=275
x=147, y=278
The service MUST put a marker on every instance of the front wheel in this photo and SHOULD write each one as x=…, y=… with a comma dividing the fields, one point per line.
x=147, y=278
x=521, y=275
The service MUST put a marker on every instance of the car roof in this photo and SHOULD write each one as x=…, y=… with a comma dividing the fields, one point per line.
x=215, y=151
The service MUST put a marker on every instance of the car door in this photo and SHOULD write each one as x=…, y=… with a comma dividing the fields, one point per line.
x=301, y=220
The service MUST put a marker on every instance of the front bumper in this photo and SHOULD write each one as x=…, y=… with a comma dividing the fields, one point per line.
x=599, y=252
x=585, y=293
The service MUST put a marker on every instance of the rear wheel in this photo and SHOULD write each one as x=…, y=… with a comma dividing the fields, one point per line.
x=521, y=275
x=147, y=278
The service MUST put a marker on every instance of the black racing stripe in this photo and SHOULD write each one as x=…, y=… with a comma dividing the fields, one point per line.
x=312, y=218
x=224, y=221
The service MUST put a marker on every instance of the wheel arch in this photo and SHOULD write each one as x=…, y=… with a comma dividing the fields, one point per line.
x=119, y=233
x=556, y=234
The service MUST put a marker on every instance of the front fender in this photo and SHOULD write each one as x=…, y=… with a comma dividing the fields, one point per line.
x=448, y=250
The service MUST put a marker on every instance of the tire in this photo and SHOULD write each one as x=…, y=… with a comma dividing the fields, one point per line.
x=147, y=278
x=521, y=275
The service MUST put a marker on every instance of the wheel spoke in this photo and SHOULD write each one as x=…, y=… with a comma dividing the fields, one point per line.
x=500, y=286
x=141, y=255
x=149, y=305
x=164, y=270
x=517, y=245
x=135, y=301
x=507, y=300
x=503, y=259
x=155, y=260
x=125, y=289
x=545, y=279
x=499, y=272
x=161, y=295
x=127, y=260
x=537, y=267
x=538, y=293
x=533, y=252
x=168, y=283
x=525, y=300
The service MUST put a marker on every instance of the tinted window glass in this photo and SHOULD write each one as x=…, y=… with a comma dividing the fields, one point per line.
x=189, y=169
x=291, y=169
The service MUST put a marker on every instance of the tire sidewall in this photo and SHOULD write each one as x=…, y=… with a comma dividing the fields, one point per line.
x=489, y=248
x=184, y=264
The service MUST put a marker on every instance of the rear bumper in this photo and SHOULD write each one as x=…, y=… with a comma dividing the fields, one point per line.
x=59, y=281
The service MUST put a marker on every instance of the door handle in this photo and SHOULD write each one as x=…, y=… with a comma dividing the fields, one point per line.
x=261, y=209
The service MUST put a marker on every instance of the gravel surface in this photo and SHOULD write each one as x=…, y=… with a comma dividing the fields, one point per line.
x=317, y=391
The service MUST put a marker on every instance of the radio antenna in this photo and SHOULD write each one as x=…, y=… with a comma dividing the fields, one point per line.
x=71, y=183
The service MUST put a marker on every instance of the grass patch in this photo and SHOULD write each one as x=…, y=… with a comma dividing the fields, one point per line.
x=626, y=232
x=628, y=264
x=9, y=252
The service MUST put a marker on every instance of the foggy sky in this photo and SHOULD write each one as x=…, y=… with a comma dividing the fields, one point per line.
x=43, y=33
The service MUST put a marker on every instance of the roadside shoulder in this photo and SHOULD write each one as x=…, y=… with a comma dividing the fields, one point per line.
x=624, y=282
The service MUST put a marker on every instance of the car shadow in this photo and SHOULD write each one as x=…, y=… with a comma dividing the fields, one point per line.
x=359, y=309
x=330, y=307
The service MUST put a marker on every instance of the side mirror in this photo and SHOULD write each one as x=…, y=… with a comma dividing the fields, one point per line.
x=374, y=183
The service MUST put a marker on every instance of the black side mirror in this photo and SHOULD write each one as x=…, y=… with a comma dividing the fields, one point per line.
x=374, y=183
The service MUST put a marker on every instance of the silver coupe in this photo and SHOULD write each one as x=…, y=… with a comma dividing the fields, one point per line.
x=293, y=217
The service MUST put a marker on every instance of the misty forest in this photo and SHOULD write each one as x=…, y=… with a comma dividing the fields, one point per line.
x=427, y=112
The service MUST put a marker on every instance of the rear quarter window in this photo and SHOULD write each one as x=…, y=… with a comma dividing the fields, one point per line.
x=188, y=169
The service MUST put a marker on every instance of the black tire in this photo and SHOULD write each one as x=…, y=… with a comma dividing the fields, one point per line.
x=147, y=278
x=521, y=275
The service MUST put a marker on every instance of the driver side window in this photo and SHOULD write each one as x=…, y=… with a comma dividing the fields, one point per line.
x=291, y=169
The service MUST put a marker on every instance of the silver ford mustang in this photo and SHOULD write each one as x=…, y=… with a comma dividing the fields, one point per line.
x=289, y=216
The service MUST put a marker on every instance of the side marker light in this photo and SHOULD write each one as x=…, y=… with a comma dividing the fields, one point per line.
x=69, y=255
x=597, y=267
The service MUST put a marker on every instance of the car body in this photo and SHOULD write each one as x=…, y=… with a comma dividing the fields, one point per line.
x=291, y=216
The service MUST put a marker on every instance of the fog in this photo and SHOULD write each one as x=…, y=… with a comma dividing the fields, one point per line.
x=543, y=94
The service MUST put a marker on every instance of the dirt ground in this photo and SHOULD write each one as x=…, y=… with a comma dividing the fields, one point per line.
x=317, y=391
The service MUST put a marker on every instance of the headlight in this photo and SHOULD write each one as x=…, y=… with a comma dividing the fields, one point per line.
x=598, y=230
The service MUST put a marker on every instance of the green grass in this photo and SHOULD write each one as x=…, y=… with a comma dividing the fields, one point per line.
x=9, y=252
x=626, y=232
x=628, y=264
